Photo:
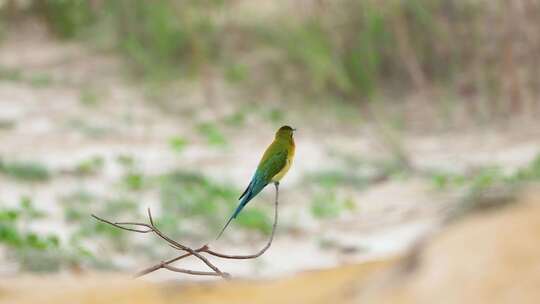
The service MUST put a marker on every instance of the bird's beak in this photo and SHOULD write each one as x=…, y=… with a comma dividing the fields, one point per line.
x=294, y=129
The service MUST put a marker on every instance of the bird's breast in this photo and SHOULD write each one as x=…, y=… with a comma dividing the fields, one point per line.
x=285, y=169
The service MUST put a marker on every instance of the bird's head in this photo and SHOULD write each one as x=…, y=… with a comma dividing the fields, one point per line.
x=285, y=132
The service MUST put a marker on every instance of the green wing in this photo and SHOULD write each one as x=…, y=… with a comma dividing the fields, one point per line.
x=273, y=161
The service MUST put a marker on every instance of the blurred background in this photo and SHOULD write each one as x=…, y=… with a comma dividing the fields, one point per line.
x=407, y=111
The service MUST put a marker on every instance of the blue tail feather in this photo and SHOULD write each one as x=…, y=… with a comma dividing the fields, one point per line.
x=243, y=203
x=254, y=187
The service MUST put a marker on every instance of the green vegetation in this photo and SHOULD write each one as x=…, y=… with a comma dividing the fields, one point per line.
x=255, y=219
x=89, y=97
x=212, y=134
x=166, y=38
x=10, y=74
x=475, y=183
x=79, y=205
x=346, y=49
x=25, y=171
x=530, y=172
x=133, y=178
x=194, y=200
x=40, y=80
x=161, y=38
x=45, y=252
x=37, y=80
x=178, y=144
x=237, y=119
x=126, y=161
x=7, y=124
x=235, y=73
x=331, y=187
x=22, y=241
x=10, y=227
x=337, y=177
x=356, y=173
x=328, y=204
x=88, y=129
x=66, y=18
x=90, y=166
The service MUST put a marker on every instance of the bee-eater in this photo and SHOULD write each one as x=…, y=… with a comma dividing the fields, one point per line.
x=276, y=161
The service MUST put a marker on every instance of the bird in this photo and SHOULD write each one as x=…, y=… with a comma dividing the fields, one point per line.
x=274, y=164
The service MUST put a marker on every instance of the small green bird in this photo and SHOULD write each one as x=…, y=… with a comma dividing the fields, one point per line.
x=275, y=163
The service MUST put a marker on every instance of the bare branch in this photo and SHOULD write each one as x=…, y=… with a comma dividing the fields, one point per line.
x=160, y=265
x=180, y=246
x=194, y=272
x=189, y=251
x=119, y=225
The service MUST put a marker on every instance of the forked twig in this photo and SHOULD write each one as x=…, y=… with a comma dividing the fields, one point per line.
x=198, y=253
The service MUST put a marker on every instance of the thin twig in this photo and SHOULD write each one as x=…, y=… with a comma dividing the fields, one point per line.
x=160, y=265
x=189, y=251
x=118, y=225
x=152, y=228
x=180, y=246
x=194, y=272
